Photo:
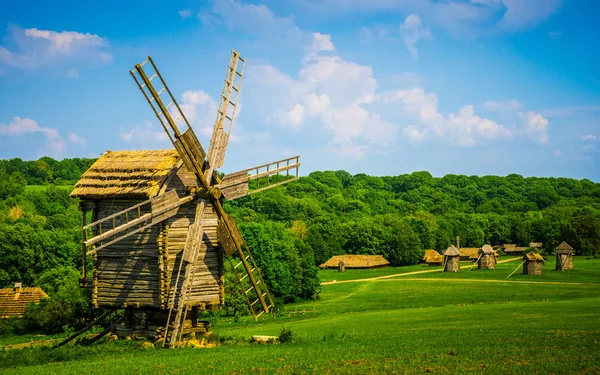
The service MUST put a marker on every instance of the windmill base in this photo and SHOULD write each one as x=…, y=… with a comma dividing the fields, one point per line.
x=150, y=323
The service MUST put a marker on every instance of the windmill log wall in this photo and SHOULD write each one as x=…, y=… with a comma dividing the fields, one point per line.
x=127, y=273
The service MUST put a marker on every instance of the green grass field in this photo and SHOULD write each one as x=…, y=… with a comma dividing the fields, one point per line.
x=469, y=322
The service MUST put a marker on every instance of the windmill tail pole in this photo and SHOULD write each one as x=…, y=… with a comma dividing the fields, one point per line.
x=86, y=328
x=475, y=262
x=519, y=266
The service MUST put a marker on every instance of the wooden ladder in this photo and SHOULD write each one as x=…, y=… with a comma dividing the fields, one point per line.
x=184, y=280
x=246, y=271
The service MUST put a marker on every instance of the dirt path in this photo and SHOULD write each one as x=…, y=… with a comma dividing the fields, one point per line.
x=410, y=273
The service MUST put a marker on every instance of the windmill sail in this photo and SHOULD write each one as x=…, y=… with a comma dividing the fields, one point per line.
x=266, y=176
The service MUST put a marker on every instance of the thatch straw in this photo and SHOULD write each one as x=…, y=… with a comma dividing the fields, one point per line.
x=14, y=300
x=452, y=251
x=487, y=250
x=126, y=174
x=531, y=256
x=356, y=261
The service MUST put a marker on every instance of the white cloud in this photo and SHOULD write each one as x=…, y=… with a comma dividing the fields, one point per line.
x=33, y=48
x=462, y=17
x=558, y=153
x=330, y=92
x=252, y=19
x=185, y=13
x=74, y=138
x=536, y=127
x=54, y=146
x=588, y=147
x=464, y=128
x=412, y=31
x=589, y=137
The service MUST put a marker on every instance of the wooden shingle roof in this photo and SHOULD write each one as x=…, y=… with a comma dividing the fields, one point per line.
x=356, y=261
x=126, y=174
x=14, y=300
x=563, y=246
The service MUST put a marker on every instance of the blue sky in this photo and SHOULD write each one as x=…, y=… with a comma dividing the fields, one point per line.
x=381, y=87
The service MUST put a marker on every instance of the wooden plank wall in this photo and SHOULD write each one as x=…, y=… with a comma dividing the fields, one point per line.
x=207, y=279
x=127, y=273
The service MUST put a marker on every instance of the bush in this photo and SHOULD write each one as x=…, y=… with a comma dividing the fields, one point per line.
x=285, y=335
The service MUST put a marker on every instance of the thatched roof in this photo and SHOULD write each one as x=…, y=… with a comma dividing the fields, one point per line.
x=487, y=250
x=452, y=251
x=563, y=246
x=126, y=174
x=516, y=249
x=536, y=245
x=508, y=246
x=531, y=256
x=471, y=252
x=356, y=261
x=14, y=300
x=432, y=256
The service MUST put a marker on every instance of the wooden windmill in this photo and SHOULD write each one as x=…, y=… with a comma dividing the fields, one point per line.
x=159, y=233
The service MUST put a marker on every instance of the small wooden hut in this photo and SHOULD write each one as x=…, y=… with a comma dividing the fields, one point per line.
x=13, y=301
x=536, y=245
x=469, y=253
x=512, y=249
x=487, y=258
x=533, y=263
x=564, y=257
x=356, y=261
x=451, y=259
x=433, y=258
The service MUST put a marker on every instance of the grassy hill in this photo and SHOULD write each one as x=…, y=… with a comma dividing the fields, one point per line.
x=403, y=322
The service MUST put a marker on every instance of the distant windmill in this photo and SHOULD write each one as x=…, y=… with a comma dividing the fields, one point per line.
x=159, y=231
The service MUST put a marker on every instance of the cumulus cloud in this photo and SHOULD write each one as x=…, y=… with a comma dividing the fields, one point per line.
x=412, y=31
x=34, y=48
x=589, y=137
x=331, y=93
x=55, y=145
x=536, y=127
x=464, y=128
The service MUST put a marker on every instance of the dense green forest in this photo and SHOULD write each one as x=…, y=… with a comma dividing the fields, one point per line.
x=295, y=227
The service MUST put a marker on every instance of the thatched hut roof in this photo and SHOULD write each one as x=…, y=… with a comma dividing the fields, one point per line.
x=432, y=256
x=469, y=252
x=356, y=261
x=487, y=250
x=536, y=245
x=563, y=246
x=531, y=256
x=126, y=174
x=508, y=246
x=14, y=300
x=451, y=251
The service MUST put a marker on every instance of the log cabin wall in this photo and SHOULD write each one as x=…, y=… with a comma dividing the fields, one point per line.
x=128, y=273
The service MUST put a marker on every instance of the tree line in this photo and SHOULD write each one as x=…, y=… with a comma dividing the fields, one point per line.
x=293, y=228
